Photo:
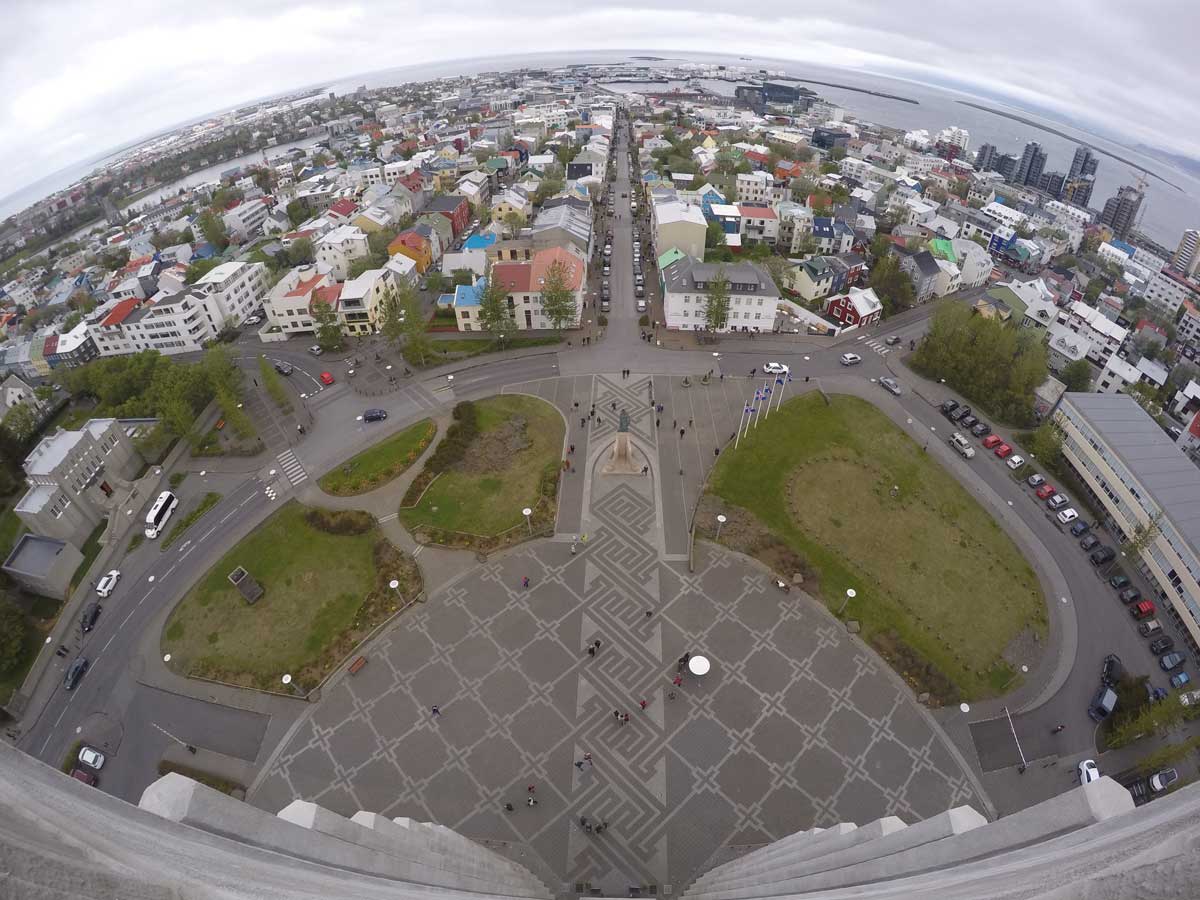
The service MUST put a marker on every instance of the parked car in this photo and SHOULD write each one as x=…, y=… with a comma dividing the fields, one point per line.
x=374, y=415
x=75, y=673
x=1056, y=501
x=892, y=340
x=1102, y=555
x=87, y=618
x=315, y=350
x=1142, y=610
x=1088, y=771
x=1160, y=781
x=775, y=368
x=1088, y=541
x=891, y=385
x=607, y=270
x=1103, y=704
x=1067, y=516
x=1162, y=644
x=1146, y=629
x=1120, y=581
x=981, y=429
x=1111, y=670
x=1015, y=462
x=851, y=359
x=967, y=422
x=1171, y=661
x=962, y=445
x=1046, y=491
x=85, y=776
x=108, y=582
x=639, y=291
x=959, y=414
x=949, y=406
x=1002, y=450
x=1179, y=679
x=253, y=320
x=1129, y=595
x=1080, y=528
x=91, y=757
x=326, y=378
x=284, y=368
x=991, y=441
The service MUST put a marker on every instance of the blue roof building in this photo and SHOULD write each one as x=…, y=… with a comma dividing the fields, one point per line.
x=468, y=295
x=480, y=241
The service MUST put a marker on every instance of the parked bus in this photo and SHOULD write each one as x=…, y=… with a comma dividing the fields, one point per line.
x=159, y=513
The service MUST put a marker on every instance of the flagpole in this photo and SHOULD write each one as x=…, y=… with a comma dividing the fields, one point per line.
x=758, y=409
x=783, y=380
x=767, y=392
x=749, y=414
x=737, y=439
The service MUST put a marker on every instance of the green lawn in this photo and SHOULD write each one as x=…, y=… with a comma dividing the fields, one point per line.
x=210, y=499
x=314, y=586
x=11, y=528
x=938, y=582
x=486, y=495
x=380, y=464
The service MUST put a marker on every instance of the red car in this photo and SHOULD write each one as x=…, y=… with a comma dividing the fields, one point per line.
x=1045, y=492
x=1003, y=450
x=991, y=441
x=85, y=777
x=326, y=378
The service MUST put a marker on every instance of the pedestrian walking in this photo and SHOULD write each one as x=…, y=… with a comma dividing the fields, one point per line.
x=682, y=432
x=577, y=404
x=625, y=719
x=525, y=581
x=716, y=451
x=670, y=695
x=689, y=423
x=583, y=538
x=582, y=422
x=570, y=449
x=658, y=423
x=579, y=764
x=508, y=807
x=642, y=704
x=614, y=406
x=722, y=376
x=532, y=801
x=617, y=714
x=752, y=371
x=597, y=644
x=649, y=613
x=531, y=789
x=436, y=711
x=674, y=423
x=678, y=682
x=583, y=821
x=587, y=758
x=591, y=651
x=572, y=549
x=599, y=421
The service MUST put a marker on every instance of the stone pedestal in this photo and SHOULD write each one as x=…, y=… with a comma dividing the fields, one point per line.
x=623, y=459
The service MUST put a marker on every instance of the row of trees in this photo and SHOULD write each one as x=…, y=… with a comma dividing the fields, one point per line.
x=991, y=364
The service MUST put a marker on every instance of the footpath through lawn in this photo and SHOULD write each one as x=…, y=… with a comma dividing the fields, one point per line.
x=941, y=590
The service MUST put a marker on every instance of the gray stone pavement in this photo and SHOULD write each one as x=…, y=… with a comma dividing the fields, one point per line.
x=797, y=725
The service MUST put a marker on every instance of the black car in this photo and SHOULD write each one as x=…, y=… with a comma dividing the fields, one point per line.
x=283, y=368
x=1162, y=644
x=968, y=421
x=949, y=406
x=1111, y=671
x=87, y=619
x=982, y=429
x=959, y=414
x=1129, y=595
x=374, y=415
x=75, y=673
x=1120, y=581
x=1089, y=541
x=893, y=340
x=1080, y=528
x=1102, y=556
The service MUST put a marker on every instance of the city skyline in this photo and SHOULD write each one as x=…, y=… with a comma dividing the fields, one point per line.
x=88, y=103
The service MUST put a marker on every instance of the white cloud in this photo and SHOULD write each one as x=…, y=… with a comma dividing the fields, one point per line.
x=85, y=76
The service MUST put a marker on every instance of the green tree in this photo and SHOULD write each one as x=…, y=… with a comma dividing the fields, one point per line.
x=391, y=312
x=462, y=277
x=328, y=329
x=892, y=285
x=1144, y=534
x=512, y=223
x=435, y=282
x=1091, y=293
x=716, y=306
x=418, y=346
x=358, y=266
x=1046, y=444
x=298, y=211
x=494, y=316
x=21, y=422
x=13, y=628
x=558, y=300
x=714, y=236
x=212, y=227
x=300, y=252
x=1077, y=375
x=199, y=269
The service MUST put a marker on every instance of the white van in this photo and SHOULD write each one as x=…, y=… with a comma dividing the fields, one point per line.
x=962, y=445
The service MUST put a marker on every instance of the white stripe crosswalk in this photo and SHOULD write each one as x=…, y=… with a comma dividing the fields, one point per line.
x=291, y=467
x=878, y=347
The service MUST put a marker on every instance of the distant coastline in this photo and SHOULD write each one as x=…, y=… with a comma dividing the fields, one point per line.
x=858, y=90
x=1070, y=137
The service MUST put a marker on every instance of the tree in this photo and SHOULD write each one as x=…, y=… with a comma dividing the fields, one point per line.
x=716, y=307
x=494, y=316
x=807, y=246
x=435, y=282
x=300, y=251
x=298, y=211
x=512, y=222
x=391, y=312
x=213, y=229
x=328, y=329
x=1091, y=293
x=20, y=422
x=892, y=285
x=418, y=346
x=558, y=300
x=1047, y=445
x=13, y=628
x=358, y=266
x=1077, y=376
x=1144, y=534
x=199, y=269
x=714, y=236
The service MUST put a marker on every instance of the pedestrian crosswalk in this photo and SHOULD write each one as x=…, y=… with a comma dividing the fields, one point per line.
x=291, y=467
x=878, y=346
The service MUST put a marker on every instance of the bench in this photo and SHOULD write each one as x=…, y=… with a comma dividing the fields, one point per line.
x=357, y=665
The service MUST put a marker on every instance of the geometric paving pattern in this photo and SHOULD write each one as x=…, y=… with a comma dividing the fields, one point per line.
x=794, y=727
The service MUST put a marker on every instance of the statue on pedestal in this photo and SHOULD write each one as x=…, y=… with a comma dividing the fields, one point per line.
x=620, y=460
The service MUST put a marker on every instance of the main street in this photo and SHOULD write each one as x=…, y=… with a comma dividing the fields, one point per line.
x=134, y=709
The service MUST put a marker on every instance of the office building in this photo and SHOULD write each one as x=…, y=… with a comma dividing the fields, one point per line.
x=1006, y=164
x=1084, y=163
x=1136, y=473
x=1120, y=212
x=986, y=157
x=1078, y=191
x=1052, y=183
x=1029, y=169
x=1186, y=259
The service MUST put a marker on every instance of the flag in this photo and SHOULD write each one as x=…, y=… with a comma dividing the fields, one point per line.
x=748, y=409
x=767, y=392
x=753, y=409
x=780, y=380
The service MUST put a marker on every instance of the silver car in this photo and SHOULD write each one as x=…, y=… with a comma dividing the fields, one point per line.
x=890, y=385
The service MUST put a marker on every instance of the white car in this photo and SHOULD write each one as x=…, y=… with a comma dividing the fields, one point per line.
x=1088, y=771
x=851, y=359
x=253, y=320
x=91, y=757
x=315, y=350
x=105, y=585
x=1015, y=462
x=1067, y=516
x=775, y=368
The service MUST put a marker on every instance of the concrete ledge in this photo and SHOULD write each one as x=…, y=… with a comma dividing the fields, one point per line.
x=795, y=847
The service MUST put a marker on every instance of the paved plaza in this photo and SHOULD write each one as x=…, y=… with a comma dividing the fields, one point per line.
x=796, y=725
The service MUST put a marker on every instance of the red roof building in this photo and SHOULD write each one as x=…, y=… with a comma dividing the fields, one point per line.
x=120, y=312
x=330, y=294
x=514, y=277
x=342, y=209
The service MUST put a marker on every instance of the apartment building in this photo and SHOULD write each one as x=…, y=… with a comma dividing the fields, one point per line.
x=1134, y=471
x=358, y=307
x=289, y=304
x=176, y=323
x=340, y=247
x=753, y=297
x=1105, y=335
x=245, y=220
x=71, y=475
x=758, y=225
x=758, y=188
x=237, y=288
x=1168, y=290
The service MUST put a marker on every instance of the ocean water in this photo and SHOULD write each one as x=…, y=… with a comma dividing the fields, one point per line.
x=1166, y=210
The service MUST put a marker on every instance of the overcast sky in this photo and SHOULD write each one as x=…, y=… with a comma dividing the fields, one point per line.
x=82, y=77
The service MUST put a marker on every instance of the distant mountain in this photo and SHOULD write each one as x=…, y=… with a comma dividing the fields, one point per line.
x=1188, y=164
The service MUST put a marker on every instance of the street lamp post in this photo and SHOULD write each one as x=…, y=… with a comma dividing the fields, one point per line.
x=1024, y=765
x=721, y=520
x=851, y=593
x=527, y=512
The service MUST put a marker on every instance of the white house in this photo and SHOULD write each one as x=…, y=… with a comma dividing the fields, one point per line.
x=1106, y=336
x=289, y=303
x=753, y=297
x=176, y=323
x=245, y=220
x=974, y=263
x=341, y=246
x=237, y=288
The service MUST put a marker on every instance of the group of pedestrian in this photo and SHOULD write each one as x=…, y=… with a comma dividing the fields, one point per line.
x=625, y=373
x=593, y=648
x=586, y=824
x=622, y=718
